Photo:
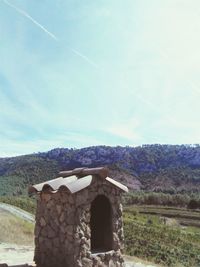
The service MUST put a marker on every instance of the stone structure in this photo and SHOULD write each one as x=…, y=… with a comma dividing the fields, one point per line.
x=79, y=220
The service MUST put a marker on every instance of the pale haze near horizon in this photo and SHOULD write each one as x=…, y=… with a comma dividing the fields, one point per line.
x=82, y=73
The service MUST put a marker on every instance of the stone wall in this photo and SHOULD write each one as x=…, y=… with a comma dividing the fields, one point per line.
x=62, y=232
x=54, y=230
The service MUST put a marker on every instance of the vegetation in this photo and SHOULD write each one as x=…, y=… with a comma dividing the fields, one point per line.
x=12, y=185
x=146, y=236
x=158, y=168
x=167, y=178
x=185, y=200
x=16, y=174
x=25, y=203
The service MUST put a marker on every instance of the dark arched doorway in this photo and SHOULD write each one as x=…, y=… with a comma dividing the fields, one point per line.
x=101, y=224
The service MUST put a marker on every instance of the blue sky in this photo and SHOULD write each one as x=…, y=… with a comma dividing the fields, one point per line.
x=79, y=73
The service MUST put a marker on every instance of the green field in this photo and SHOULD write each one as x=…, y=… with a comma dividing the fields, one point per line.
x=183, y=216
x=156, y=234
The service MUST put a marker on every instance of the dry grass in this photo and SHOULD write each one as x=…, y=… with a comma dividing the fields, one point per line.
x=15, y=230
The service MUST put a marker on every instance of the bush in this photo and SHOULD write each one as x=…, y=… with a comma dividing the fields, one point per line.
x=193, y=204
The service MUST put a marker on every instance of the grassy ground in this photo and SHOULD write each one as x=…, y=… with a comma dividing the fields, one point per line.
x=15, y=230
x=148, y=237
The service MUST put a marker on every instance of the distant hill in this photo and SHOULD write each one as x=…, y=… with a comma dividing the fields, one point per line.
x=166, y=168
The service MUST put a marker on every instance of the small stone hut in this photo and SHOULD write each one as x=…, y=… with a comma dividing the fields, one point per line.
x=79, y=220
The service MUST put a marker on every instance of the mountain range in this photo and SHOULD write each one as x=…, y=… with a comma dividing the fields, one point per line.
x=165, y=168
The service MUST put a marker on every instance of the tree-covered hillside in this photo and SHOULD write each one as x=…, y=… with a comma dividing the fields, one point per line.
x=168, y=168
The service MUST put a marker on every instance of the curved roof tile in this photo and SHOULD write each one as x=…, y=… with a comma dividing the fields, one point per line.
x=75, y=183
x=121, y=186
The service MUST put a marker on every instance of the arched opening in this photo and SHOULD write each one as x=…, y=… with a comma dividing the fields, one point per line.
x=101, y=224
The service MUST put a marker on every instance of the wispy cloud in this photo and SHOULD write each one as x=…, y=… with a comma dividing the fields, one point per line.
x=18, y=147
x=126, y=129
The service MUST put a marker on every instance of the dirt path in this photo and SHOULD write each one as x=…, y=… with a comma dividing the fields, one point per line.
x=138, y=264
x=18, y=212
x=15, y=254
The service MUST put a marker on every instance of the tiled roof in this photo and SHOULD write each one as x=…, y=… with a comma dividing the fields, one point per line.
x=75, y=180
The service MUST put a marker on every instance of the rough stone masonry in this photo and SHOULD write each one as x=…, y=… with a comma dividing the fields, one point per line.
x=79, y=221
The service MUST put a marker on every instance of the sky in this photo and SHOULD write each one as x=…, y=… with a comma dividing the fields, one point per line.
x=107, y=72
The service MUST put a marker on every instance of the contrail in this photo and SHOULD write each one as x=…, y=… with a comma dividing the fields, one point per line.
x=32, y=19
x=84, y=57
x=25, y=14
